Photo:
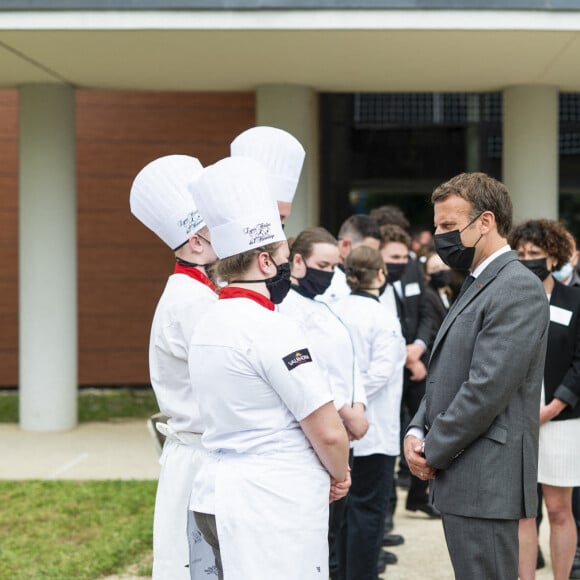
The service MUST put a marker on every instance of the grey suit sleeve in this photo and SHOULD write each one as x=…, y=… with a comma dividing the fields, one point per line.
x=510, y=327
x=419, y=419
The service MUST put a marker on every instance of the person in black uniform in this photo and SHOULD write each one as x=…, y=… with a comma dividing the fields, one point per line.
x=543, y=246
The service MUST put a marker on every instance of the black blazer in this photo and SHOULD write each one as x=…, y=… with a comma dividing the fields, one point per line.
x=415, y=320
x=437, y=312
x=562, y=369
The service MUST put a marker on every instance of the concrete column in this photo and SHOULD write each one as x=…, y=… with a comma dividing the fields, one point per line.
x=530, y=150
x=47, y=259
x=295, y=109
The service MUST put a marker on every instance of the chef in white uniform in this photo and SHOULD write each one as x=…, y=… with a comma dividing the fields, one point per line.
x=274, y=434
x=282, y=156
x=313, y=258
x=160, y=199
x=381, y=354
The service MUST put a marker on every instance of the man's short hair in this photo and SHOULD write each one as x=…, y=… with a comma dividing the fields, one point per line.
x=387, y=215
x=358, y=227
x=392, y=233
x=484, y=193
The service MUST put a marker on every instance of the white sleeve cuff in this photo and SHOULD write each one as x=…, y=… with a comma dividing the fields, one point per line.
x=419, y=433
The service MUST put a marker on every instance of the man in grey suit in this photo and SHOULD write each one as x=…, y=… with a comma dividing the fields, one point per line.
x=476, y=431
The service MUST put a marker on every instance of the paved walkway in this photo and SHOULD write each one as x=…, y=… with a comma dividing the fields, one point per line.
x=124, y=450
x=120, y=449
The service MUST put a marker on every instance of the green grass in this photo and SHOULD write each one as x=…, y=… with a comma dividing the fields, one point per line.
x=69, y=529
x=94, y=404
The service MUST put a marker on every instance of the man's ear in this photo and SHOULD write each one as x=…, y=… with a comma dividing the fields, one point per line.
x=487, y=222
x=344, y=246
x=195, y=244
x=265, y=263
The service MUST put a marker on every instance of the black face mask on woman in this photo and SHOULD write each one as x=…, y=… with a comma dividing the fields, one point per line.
x=440, y=279
x=452, y=251
x=538, y=267
x=315, y=282
x=278, y=285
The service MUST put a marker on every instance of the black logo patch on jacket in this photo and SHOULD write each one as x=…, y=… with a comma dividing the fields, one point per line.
x=297, y=358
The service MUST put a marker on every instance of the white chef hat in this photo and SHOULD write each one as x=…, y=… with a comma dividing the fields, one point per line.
x=281, y=154
x=234, y=197
x=160, y=198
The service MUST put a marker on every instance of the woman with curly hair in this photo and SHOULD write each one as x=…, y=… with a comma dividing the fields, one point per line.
x=544, y=246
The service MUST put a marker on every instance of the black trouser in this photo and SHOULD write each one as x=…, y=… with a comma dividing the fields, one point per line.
x=336, y=520
x=360, y=539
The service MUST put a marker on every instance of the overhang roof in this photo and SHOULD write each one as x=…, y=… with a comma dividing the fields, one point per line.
x=384, y=50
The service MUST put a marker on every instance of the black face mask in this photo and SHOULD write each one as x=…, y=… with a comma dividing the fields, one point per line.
x=395, y=271
x=440, y=279
x=538, y=267
x=278, y=285
x=315, y=282
x=452, y=251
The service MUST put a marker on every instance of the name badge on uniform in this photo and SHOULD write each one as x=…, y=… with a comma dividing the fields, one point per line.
x=560, y=315
x=412, y=289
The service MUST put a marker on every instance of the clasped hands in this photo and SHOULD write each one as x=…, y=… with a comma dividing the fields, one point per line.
x=416, y=460
x=338, y=489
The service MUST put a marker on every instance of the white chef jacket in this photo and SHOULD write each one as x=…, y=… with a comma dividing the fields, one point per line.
x=256, y=381
x=331, y=346
x=179, y=551
x=380, y=349
x=255, y=378
x=181, y=305
x=337, y=290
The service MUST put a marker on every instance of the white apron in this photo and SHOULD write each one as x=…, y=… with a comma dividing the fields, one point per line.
x=272, y=516
x=179, y=550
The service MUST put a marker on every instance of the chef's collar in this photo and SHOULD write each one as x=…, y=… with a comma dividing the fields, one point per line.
x=189, y=270
x=237, y=292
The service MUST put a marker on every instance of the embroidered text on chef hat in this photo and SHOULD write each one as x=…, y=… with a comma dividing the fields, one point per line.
x=161, y=200
x=234, y=197
x=281, y=154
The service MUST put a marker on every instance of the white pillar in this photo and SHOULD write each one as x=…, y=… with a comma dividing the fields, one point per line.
x=47, y=259
x=295, y=109
x=530, y=150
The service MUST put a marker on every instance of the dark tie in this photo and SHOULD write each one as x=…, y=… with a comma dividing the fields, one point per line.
x=466, y=284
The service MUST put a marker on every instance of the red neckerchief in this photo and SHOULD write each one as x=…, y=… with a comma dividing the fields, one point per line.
x=236, y=292
x=194, y=273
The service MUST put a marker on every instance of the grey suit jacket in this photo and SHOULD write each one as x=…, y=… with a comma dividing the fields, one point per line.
x=481, y=408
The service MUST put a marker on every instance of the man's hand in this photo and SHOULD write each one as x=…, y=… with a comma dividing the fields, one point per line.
x=338, y=489
x=418, y=371
x=356, y=422
x=553, y=409
x=415, y=459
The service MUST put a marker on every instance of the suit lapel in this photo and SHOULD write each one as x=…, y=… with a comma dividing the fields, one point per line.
x=481, y=282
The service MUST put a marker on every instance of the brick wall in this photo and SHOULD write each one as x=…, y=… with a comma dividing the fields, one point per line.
x=9, y=237
x=122, y=266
